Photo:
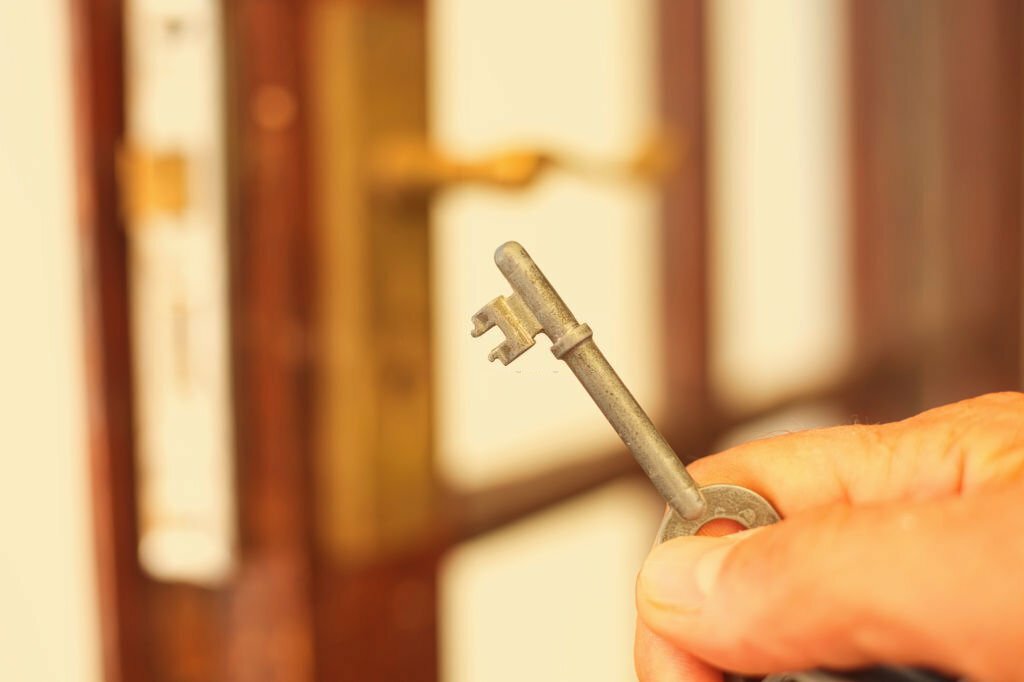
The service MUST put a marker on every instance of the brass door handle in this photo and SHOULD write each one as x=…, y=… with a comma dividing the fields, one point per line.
x=414, y=166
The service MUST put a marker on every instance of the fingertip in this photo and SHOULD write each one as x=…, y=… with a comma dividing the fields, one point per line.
x=680, y=574
x=657, y=660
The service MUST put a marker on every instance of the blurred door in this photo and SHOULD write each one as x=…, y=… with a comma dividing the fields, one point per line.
x=350, y=191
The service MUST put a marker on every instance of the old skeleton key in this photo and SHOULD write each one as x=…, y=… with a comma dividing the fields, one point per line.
x=536, y=307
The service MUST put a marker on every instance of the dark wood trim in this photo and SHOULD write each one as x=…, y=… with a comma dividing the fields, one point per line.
x=261, y=624
x=480, y=511
x=982, y=81
x=269, y=620
x=378, y=621
x=682, y=77
x=97, y=68
x=935, y=93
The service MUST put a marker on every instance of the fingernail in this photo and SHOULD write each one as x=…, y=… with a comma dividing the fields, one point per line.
x=681, y=574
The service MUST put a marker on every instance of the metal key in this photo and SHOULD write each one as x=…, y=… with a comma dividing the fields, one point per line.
x=536, y=307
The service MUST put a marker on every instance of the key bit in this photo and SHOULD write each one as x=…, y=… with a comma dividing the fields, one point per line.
x=515, y=321
x=536, y=307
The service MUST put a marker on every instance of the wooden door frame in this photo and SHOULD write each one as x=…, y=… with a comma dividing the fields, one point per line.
x=97, y=69
x=935, y=164
x=287, y=613
x=262, y=622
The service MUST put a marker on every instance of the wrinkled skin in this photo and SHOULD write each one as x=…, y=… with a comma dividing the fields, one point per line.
x=900, y=543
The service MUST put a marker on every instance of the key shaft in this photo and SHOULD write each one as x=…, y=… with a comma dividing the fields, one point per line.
x=573, y=343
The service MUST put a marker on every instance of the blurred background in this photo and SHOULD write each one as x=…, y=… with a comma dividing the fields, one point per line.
x=245, y=432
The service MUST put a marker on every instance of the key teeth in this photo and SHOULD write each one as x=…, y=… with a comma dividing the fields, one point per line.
x=500, y=353
x=514, y=321
x=507, y=351
x=481, y=323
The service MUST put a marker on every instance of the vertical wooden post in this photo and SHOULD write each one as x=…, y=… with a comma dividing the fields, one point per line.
x=682, y=87
x=97, y=69
x=982, y=85
x=261, y=623
x=270, y=621
x=936, y=141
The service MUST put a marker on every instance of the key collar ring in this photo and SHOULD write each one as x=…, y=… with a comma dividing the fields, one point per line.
x=724, y=501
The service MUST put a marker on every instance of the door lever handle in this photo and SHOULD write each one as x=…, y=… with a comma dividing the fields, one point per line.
x=414, y=166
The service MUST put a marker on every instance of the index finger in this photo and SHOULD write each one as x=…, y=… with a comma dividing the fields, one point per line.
x=843, y=464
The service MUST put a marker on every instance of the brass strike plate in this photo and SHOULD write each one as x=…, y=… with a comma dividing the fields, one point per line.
x=151, y=183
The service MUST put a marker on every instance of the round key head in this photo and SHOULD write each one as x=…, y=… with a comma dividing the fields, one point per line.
x=724, y=501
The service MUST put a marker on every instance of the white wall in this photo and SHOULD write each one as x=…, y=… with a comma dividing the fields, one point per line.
x=48, y=620
x=574, y=77
x=780, y=307
x=551, y=597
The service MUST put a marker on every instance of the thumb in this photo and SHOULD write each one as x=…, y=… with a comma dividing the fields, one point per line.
x=842, y=588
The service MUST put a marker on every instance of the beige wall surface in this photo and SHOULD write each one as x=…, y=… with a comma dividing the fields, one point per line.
x=551, y=597
x=780, y=300
x=48, y=620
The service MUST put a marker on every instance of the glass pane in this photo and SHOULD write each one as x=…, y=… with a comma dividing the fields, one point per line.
x=552, y=597
x=582, y=86
x=780, y=316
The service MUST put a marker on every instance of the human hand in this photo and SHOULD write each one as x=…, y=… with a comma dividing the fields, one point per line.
x=901, y=543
